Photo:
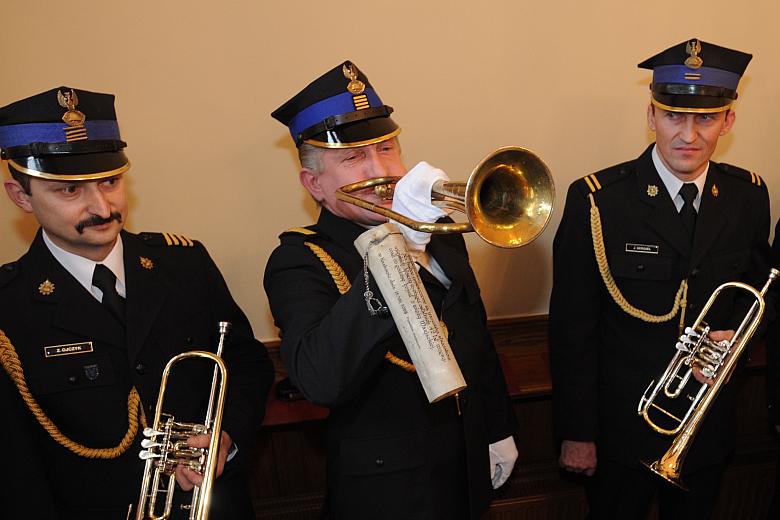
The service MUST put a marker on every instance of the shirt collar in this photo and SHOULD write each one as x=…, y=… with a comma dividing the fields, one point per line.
x=673, y=183
x=82, y=268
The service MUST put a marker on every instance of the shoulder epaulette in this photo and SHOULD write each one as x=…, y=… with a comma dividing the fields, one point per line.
x=8, y=272
x=745, y=175
x=166, y=239
x=300, y=233
x=600, y=180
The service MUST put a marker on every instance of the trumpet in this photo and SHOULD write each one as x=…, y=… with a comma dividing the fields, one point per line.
x=165, y=445
x=715, y=359
x=508, y=198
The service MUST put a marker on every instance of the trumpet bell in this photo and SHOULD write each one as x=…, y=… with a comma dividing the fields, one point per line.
x=509, y=197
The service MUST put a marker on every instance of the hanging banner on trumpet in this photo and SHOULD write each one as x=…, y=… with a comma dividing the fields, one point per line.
x=393, y=270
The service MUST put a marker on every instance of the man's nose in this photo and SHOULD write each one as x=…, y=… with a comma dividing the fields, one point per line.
x=377, y=167
x=98, y=203
x=689, y=130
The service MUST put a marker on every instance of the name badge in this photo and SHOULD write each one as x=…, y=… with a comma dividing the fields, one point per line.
x=647, y=249
x=68, y=350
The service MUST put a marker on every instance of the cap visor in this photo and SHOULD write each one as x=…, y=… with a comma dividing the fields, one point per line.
x=697, y=104
x=72, y=167
x=360, y=133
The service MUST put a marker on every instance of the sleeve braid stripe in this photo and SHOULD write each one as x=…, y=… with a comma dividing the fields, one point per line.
x=343, y=285
x=680, y=299
x=13, y=366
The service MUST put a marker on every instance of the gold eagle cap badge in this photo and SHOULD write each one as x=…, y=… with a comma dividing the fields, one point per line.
x=69, y=100
x=350, y=72
x=693, y=49
x=46, y=288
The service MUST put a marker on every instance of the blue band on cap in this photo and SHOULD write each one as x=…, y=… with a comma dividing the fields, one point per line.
x=333, y=106
x=707, y=76
x=18, y=135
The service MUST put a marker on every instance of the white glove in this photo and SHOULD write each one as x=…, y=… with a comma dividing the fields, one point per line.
x=412, y=198
x=503, y=455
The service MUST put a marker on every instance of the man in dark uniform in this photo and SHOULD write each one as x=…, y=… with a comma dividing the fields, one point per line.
x=90, y=316
x=391, y=454
x=667, y=229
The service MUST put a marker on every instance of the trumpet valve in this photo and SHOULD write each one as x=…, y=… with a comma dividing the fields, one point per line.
x=148, y=454
x=708, y=372
x=683, y=347
x=151, y=432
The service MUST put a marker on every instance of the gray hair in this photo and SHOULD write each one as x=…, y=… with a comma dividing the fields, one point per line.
x=310, y=157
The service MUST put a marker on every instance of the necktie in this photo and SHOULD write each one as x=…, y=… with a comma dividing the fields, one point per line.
x=688, y=192
x=105, y=280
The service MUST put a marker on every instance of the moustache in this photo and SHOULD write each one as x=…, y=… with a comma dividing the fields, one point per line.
x=96, y=220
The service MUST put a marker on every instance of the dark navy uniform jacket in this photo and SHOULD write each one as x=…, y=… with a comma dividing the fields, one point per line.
x=175, y=298
x=391, y=454
x=602, y=358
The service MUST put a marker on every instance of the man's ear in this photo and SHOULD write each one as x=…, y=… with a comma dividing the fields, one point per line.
x=731, y=116
x=311, y=181
x=17, y=195
x=651, y=117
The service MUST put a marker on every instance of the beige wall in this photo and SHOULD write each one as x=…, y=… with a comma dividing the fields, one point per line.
x=196, y=81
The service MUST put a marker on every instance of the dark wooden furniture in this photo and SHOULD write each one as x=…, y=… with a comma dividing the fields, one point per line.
x=288, y=464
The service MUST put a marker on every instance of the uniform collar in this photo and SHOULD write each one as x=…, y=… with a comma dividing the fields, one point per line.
x=339, y=229
x=82, y=268
x=673, y=183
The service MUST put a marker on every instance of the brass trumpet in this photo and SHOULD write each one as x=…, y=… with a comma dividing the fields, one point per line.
x=508, y=199
x=165, y=447
x=715, y=359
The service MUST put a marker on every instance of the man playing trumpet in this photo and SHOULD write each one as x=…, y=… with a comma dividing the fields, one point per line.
x=391, y=453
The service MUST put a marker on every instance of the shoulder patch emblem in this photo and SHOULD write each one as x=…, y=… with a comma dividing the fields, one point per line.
x=593, y=183
x=297, y=234
x=740, y=173
x=166, y=239
x=301, y=230
x=177, y=240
